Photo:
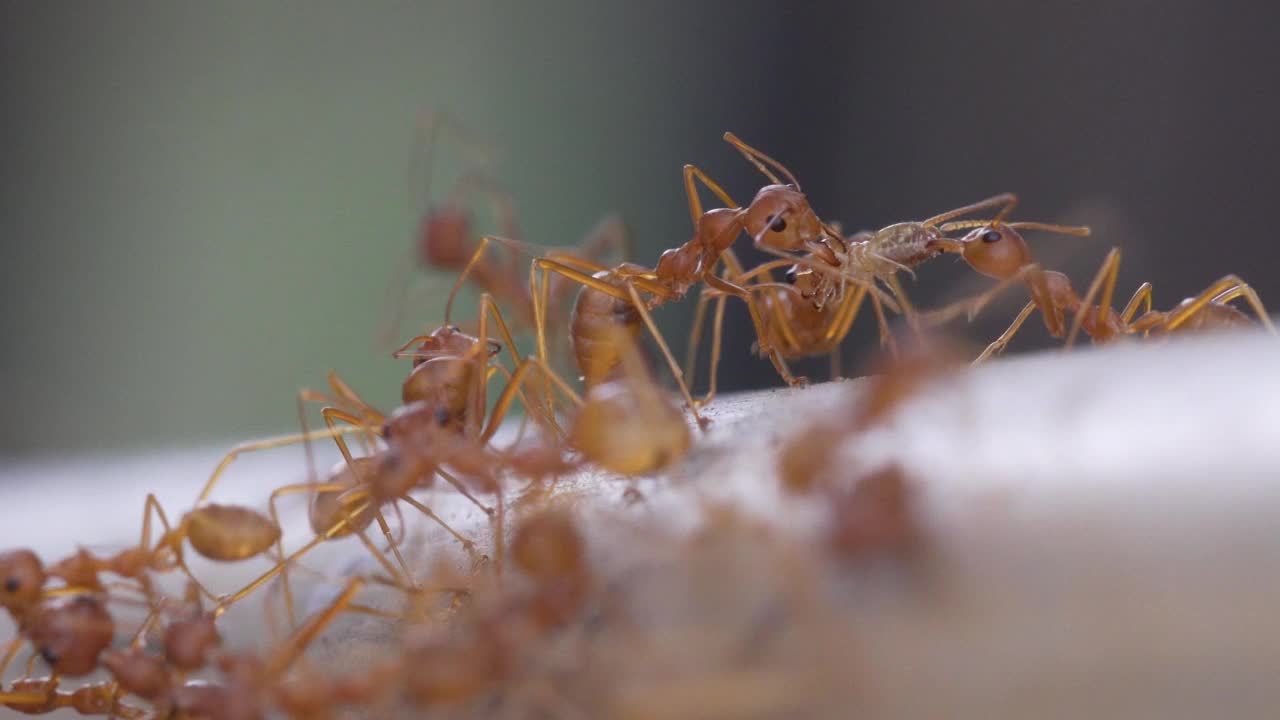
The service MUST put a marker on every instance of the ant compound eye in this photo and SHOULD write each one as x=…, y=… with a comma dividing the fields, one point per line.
x=455, y=328
x=12, y=584
x=442, y=416
x=991, y=236
x=386, y=431
x=777, y=224
x=791, y=276
x=49, y=656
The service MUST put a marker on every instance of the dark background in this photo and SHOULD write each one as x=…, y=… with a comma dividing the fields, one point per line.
x=202, y=206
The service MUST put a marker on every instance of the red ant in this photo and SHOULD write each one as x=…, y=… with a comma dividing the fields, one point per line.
x=997, y=250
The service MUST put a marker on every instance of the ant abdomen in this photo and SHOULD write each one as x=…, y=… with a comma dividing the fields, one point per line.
x=229, y=533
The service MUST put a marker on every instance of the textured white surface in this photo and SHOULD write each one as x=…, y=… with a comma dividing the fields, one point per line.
x=1108, y=521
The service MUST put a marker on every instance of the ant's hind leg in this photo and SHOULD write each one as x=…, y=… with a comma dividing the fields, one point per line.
x=268, y=444
x=276, y=494
x=717, y=343
x=1105, y=281
x=152, y=506
x=1228, y=288
x=691, y=174
x=467, y=545
x=514, y=388
x=676, y=372
x=886, y=334
x=293, y=648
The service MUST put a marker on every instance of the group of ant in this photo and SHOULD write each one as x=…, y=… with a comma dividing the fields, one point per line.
x=621, y=421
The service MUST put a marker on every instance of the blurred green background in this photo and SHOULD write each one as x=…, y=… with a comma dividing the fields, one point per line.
x=203, y=204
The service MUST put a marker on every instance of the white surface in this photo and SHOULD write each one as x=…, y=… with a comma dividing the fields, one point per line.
x=1109, y=523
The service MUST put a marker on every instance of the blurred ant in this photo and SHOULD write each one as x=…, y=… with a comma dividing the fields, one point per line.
x=445, y=236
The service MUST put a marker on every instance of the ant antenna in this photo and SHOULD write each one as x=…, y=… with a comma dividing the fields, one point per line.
x=1008, y=200
x=755, y=156
x=1076, y=230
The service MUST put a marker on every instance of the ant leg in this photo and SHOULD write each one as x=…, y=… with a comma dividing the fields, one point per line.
x=762, y=333
x=717, y=342
x=1141, y=298
x=845, y=315
x=548, y=421
x=886, y=335
x=513, y=387
x=638, y=304
x=695, y=337
x=462, y=276
x=839, y=328
x=467, y=545
x=489, y=308
x=294, y=646
x=499, y=198
x=609, y=233
x=152, y=505
x=998, y=346
x=226, y=602
x=268, y=444
x=1104, y=280
x=691, y=174
x=331, y=415
x=1247, y=292
x=275, y=517
x=462, y=490
x=10, y=653
x=395, y=302
x=907, y=311
x=426, y=134
x=1228, y=288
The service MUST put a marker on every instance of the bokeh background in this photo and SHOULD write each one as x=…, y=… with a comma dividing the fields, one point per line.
x=203, y=204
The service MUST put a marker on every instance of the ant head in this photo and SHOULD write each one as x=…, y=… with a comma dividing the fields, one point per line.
x=444, y=238
x=780, y=217
x=21, y=579
x=995, y=250
x=70, y=634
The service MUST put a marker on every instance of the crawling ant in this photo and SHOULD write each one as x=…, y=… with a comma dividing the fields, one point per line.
x=444, y=398
x=445, y=235
x=219, y=532
x=996, y=249
x=40, y=696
